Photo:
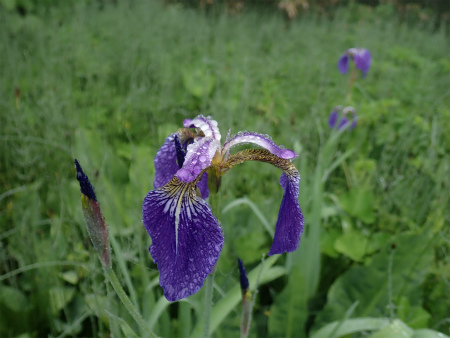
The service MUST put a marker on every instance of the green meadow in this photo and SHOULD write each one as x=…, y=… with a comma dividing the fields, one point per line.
x=107, y=84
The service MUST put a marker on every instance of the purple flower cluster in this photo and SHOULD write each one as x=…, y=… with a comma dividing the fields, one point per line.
x=361, y=57
x=186, y=237
x=348, y=116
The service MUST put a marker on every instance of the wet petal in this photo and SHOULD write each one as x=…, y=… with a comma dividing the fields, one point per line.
x=334, y=115
x=165, y=162
x=260, y=140
x=290, y=218
x=206, y=124
x=198, y=157
x=186, y=237
x=203, y=186
x=343, y=63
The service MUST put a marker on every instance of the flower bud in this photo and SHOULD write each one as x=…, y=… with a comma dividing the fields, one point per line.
x=95, y=223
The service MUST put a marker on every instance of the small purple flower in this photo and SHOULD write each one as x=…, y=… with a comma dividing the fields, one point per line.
x=347, y=112
x=186, y=237
x=360, y=56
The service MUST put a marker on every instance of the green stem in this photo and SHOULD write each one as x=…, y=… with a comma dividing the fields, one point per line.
x=112, y=277
x=208, y=303
x=214, y=200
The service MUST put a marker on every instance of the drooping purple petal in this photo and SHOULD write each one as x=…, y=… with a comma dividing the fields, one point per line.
x=363, y=60
x=343, y=63
x=353, y=125
x=165, y=162
x=260, y=140
x=199, y=156
x=206, y=124
x=334, y=115
x=186, y=237
x=342, y=123
x=290, y=218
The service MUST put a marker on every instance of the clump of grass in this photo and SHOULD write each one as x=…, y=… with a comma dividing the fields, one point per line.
x=109, y=84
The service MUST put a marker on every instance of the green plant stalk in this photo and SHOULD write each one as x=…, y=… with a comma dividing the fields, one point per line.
x=122, y=266
x=214, y=200
x=112, y=277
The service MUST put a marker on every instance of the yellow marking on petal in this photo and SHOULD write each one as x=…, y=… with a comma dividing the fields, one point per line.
x=261, y=155
x=178, y=190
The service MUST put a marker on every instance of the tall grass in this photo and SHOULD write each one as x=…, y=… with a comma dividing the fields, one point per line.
x=107, y=85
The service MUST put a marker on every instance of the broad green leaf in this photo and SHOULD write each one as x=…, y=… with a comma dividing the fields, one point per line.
x=251, y=246
x=352, y=244
x=350, y=326
x=14, y=299
x=289, y=310
x=372, y=285
x=70, y=277
x=359, y=202
x=414, y=316
x=60, y=296
x=8, y=4
x=427, y=333
x=394, y=330
x=264, y=271
x=327, y=242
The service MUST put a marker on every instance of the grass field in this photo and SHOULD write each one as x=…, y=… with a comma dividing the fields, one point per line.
x=107, y=85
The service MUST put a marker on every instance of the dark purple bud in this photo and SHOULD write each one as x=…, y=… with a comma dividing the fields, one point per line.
x=243, y=276
x=85, y=186
x=95, y=223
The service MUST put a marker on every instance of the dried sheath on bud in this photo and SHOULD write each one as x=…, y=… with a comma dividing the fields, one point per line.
x=95, y=223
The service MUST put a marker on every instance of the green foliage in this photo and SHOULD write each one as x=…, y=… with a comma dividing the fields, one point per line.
x=289, y=310
x=106, y=82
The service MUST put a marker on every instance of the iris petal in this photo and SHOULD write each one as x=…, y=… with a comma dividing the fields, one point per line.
x=343, y=63
x=334, y=115
x=290, y=218
x=198, y=157
x=186, y=237
x=343, y=123
x=203, y=186
x=206, y=124
x=165, y=162
x=362, y=59
x=260, y=140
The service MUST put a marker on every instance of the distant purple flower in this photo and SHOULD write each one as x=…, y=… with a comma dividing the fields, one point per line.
x=186, y=237
x=348, y=114
x=360, y=56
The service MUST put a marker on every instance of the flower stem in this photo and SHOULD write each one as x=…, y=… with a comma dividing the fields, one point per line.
x=208, y=302
x=214, y=200
x=112, y=277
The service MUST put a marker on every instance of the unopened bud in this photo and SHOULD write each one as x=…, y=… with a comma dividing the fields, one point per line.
x=95, y=223
x=247, y=304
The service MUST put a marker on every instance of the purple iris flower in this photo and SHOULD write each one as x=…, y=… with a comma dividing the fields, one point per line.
x=360, y=56
x=186, y=237
x=348, y=114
